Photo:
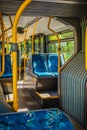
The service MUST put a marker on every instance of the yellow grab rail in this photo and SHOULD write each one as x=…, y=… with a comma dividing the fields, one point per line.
x=3, y=59
x=10, y=23
x=86, y=48
x=14, y=40
x=6, y=38
x=58, y=42
x=10, y=26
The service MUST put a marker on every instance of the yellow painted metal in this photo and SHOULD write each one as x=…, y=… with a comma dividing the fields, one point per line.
x=10, y=23
x=6, y=38
x=86, y=48
x=35, y=26
x=47, y=96
x=9, y=101
x=6, y=34
x=14, y=40
x=3, y=60
x=58, y=39
x=10, y=26
x=7, y=43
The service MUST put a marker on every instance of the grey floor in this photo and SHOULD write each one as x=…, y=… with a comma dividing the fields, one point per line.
x=24, y=91
x=26, y=101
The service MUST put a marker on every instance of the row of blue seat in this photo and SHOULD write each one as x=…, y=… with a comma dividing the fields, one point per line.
x=46, y=64
x=8, y=70
x=42, y=65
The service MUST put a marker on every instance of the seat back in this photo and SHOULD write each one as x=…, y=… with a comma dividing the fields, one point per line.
x=39, y=63
x=53, y=62
x=8, y=70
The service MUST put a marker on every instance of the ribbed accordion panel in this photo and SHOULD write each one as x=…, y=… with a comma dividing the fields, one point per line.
x=73, y=88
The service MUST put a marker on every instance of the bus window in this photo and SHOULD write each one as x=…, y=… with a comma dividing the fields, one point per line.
x=37, y=45
x=42, y=42
x=67, y=44
x=29, y=47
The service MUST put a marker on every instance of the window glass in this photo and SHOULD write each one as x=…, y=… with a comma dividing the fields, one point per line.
x=67, y=44
x=42, y=44
x=37, y=45
x=22, y=49
x=29, y=47
x=61, y=36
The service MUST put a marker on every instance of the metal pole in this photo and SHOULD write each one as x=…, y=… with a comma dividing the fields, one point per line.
x=14, y=41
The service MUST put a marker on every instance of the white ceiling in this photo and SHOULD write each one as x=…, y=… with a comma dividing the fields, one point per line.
x=41, y=26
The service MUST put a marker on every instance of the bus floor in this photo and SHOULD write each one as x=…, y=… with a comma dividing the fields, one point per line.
x=26, y=101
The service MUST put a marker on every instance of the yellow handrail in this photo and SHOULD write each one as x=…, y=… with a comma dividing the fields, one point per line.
x=35, y=26
x=58, y=42
x=9, y=27
x=10, y=23
x=14, y=40
x=86, y=48
x=6, y=38
x=3, y=60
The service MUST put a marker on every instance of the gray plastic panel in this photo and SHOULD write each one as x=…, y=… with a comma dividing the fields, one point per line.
x=73, y=88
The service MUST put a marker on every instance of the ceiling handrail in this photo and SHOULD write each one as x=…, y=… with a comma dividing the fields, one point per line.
x=21, y=30
x=8, y=27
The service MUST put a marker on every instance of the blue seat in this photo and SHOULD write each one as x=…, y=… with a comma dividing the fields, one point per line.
x=8, y=70
x=53, y=63
x=39, y=64
x=49, y=119
x=43, y=74
x=44, y=65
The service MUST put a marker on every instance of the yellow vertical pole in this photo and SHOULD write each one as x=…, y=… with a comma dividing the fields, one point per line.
x=2, y=29
x=86, y=48
x=14, y=41
x=56, y=34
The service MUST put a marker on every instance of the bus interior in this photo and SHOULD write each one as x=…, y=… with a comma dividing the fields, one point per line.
x=43, y=63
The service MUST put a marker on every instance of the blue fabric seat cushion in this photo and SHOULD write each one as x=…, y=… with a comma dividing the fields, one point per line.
x=8, y=71
x=53, y=63
x=43, y=74
x=6, y=75
x=54, y=74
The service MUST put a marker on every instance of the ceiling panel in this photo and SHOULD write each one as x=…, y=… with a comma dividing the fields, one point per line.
x=41, y=26
x=61, y=8
x=56, y=25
